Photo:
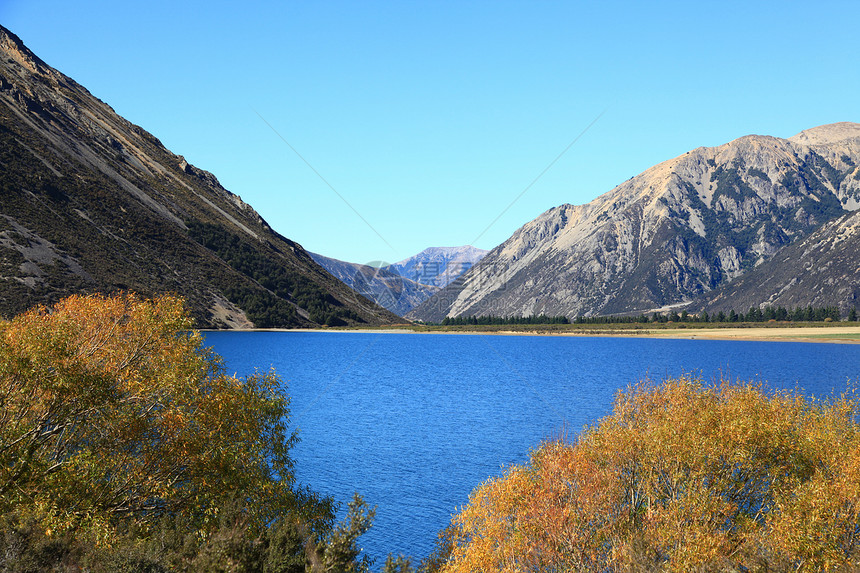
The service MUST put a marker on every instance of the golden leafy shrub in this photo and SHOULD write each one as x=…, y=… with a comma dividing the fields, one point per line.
x=111, y=409
x=680, y=477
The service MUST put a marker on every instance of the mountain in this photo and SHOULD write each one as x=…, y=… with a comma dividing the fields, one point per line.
x=670, y=235
x=820, y=270
x=438, y=266
x=92, y=203
x=402, y=286
x=382, y=285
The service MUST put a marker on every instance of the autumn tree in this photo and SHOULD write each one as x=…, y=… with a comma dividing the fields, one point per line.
x=112, y=411
x=340, y=552
x=681, y=476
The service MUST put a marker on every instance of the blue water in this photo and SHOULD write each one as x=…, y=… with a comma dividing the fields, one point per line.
x=414, y=422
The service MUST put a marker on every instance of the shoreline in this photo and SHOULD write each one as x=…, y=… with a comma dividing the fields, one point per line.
x=836, y=334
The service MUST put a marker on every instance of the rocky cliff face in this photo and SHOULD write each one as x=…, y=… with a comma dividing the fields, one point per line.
x=91, y=202
x=821, y=270
x=672, y=234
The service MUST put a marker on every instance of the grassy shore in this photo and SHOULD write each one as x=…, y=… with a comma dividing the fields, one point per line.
x=847, y=332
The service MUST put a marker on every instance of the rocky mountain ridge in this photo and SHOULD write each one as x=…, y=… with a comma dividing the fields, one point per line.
x=402, y=286
x=672, y=234
x=438, y=266
x=816, y=271
x=91, y=202
x=382, y=285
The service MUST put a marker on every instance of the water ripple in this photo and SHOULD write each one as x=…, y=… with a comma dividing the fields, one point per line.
x=414, y=423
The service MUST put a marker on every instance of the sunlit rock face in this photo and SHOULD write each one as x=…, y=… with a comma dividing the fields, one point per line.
x=673, y=234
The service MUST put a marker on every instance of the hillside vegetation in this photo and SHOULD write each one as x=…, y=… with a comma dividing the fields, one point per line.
x=680, y=477
x=92, y=203
x=124, y=446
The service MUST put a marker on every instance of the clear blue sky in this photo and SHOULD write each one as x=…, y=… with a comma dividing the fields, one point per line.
x=430, y=118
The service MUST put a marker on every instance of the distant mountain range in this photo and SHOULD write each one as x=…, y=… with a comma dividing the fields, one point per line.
x=92, y=203
x=438, y=266
x=400, y=287
x=755, y=221
x=379, y=284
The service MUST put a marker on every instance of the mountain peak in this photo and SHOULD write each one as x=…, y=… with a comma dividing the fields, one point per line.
x=11, y=45
x=674, y=233
x=826, y=134
x=93, y=203
x=438, y=266
x=465, y=253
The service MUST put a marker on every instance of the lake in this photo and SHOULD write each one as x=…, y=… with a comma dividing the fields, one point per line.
x=414, y=422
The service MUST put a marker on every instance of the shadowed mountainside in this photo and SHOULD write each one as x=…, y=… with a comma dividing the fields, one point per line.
x=820, y=270
x=93, y=203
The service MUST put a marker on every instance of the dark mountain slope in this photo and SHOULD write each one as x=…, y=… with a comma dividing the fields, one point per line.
x=90, y=202
x=820, y=270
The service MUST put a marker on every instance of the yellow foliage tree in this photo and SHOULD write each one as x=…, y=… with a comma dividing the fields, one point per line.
x=680, y=477
x=111, y=409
